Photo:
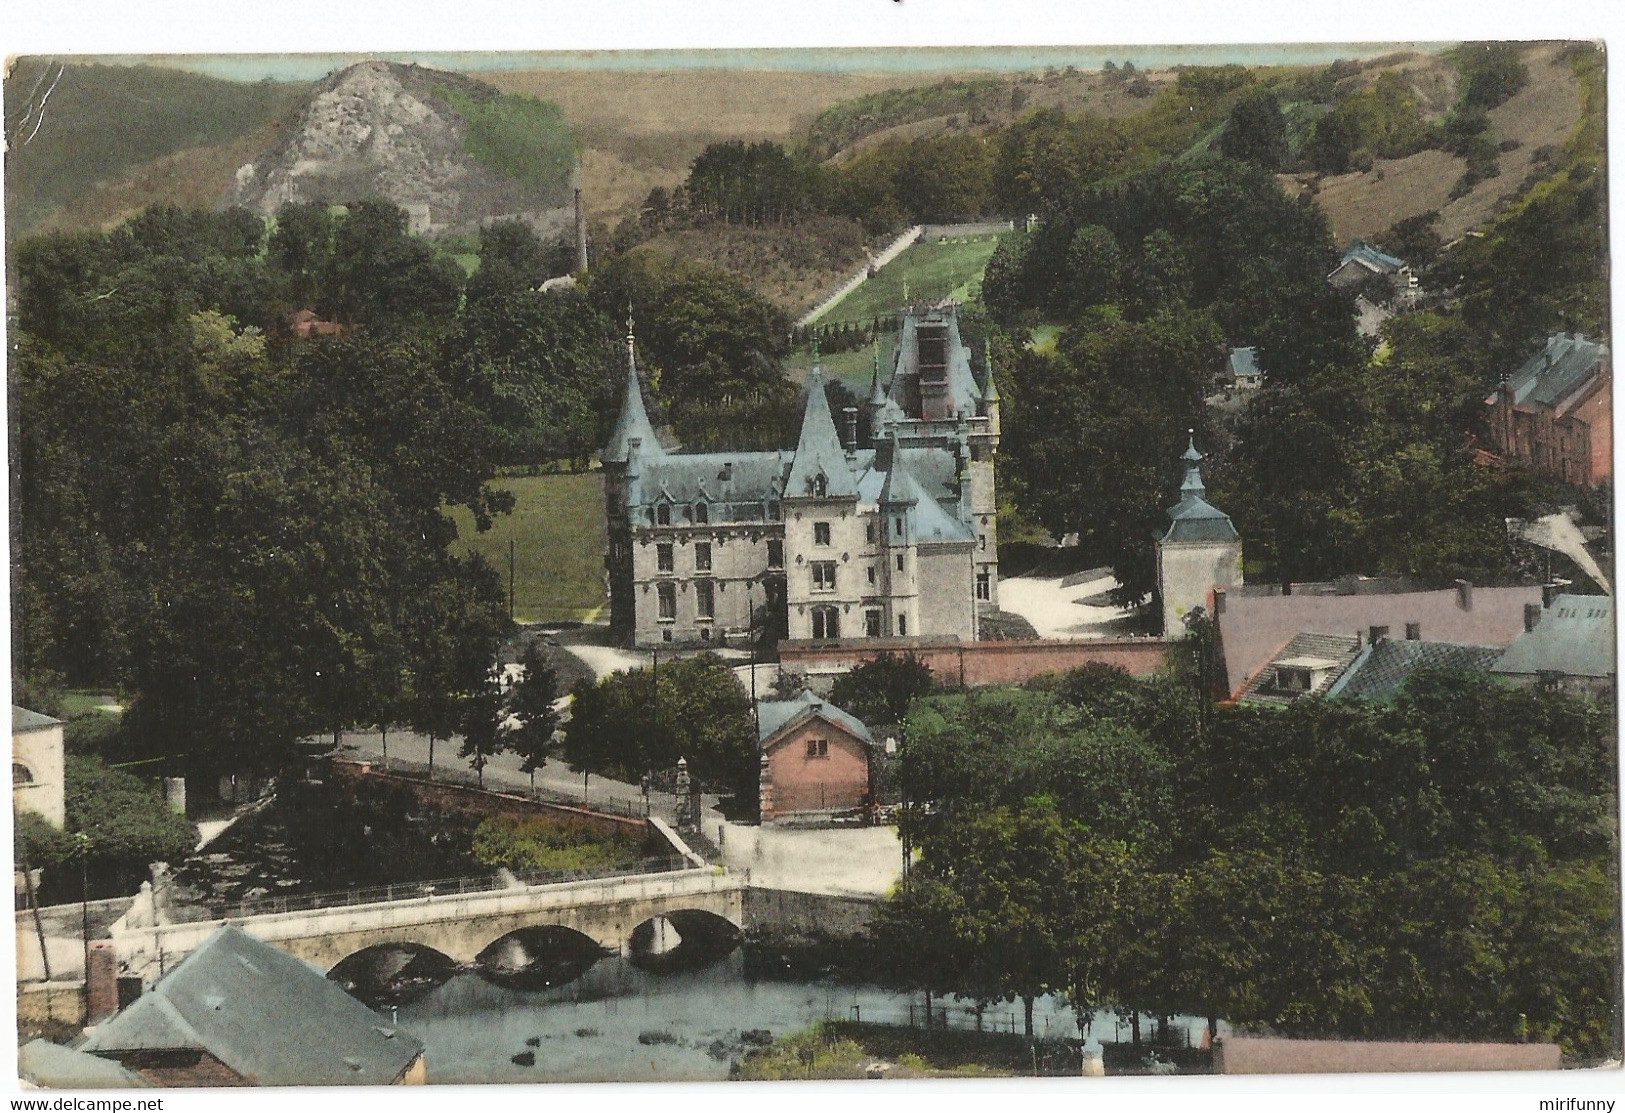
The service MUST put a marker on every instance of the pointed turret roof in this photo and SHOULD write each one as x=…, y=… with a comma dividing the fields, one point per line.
x=819, y=451
x=1194, y=518
x=990, y=390
x=633, y=421
x=877, y=396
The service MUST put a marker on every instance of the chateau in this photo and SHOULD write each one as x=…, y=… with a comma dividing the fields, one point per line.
x=891, y=534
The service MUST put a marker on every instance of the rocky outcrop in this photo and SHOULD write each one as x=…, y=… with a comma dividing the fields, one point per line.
x=388, y=129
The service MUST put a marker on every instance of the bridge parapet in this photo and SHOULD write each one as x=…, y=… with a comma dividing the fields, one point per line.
x=459, y=925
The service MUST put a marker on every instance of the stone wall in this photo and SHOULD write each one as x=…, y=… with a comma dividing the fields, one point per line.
x=976, y=663
x=38, y=1002
x=785, y=912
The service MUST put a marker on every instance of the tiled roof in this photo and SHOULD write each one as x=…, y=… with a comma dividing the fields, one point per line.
x=633, y=420
x=1574, y=637
x=735, y=483
x=55, y=1067
x=1382, y=669
x=1244, y=362
x=264, y=1014
x=776, y=715
x=1327, y=655
x=1563, y=366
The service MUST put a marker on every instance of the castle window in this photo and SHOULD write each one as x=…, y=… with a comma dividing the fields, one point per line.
x=871, y=623
x=702, y=556
x=663, y=558
x=897, y=526
x=984, y=585
x=819, y=485
x=869, y=532
x=702, y=514
x=705, y=598
x=663, y=514
x=21, y=774
x=668, y=602
x=817, y=747
x=823, y=575
x=871, y=573
x=826, y=623
x=902, y=625
x=899, y=562
x=772, y=511
x=775, y=552
x=820, y=533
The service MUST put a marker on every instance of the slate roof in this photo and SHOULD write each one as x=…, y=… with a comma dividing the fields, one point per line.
x=1196, y=519
x=55, y=1067
x=23, y=720
x=962, y=389
x=1244, y=363
x=1331, y=652
x=269, y=1017
x=1382, y=669
x=1574, y=637
x=777, y=716
x=734, y=483
x=1252, y=628
x=1567, y=363
x=633, y=420
x=1373, y=257
x=819, y=450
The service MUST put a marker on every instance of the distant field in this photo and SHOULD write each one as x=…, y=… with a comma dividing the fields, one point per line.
x=558, y=524
x=925, y=272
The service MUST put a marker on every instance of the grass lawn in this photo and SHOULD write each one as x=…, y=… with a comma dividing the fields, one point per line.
x=854, y=368
x=930, y=271
x=558, y=526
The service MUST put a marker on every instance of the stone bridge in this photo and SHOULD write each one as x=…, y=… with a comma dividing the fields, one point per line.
x=459, y=926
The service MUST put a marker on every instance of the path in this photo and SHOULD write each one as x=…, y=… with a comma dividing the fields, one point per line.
x=901, y=244
x=1058, y=611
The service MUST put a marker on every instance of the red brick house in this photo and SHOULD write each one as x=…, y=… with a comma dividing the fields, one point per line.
x=1555, y=414
x=815, y=759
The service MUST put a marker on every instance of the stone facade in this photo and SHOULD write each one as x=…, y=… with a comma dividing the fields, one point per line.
x=1199, y=551
x=37, y=773
x=890, y=533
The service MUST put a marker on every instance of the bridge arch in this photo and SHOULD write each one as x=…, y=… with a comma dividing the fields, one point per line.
x=392, y=973
x=539, y=956
x=681, y=939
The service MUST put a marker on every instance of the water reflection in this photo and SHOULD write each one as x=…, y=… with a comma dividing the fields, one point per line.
x=538, y=958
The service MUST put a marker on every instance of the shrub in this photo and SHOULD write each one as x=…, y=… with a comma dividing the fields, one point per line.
x=537, y=842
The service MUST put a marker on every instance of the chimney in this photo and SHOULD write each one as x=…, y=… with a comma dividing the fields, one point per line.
x=1378, y=633
x=849, y=428
x=581, y=233
x=1531, y=616
x=1218, y=601
x=1464, y=595
x=1413, y=631
x=1548, y=594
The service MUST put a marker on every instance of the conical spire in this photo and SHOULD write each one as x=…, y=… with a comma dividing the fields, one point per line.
x=990, y=390
x=820, y=468
x=877, y=397
x=633, y=422
x=1193, y=472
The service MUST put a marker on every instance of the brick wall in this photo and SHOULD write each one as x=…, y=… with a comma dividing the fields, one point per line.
x=837, y=779
x=483, y=803
x=978, y=663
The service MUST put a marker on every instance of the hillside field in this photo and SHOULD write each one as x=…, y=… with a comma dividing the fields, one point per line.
x=926, y=272
x=558, y=524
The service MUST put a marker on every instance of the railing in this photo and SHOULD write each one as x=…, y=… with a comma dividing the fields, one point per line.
x=413, y=890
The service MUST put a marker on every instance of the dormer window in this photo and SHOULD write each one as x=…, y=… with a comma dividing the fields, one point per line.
x=819, y=485
x=702, y=514
x=663, y=514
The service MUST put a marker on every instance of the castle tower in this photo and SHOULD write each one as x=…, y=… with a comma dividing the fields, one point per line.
x=822, y=533
x=1199, y=551
x=631, y=444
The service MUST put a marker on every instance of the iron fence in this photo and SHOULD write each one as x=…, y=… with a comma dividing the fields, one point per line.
x=272, y=905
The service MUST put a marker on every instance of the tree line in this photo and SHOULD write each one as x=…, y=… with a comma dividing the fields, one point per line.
x=1442, y=867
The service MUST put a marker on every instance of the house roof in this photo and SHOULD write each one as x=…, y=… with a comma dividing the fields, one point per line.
x=1373, y=258
x=1383, y=668
x=1244, y=362
x=928, y=522
x=1325, y=655
x=1252, y=628
x=1574, y=637
x=778, y=716
x=264, y=1014
x=55, y=1067
x=23, y=720
x=819, y=450
x=1567, y=363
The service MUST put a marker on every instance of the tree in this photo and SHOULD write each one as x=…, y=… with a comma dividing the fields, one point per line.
x=1256, y=131
x=380, y=275
x=531, y=705
x=879, y=691
x=127, y=825
x=512, y=260
x=483, y=733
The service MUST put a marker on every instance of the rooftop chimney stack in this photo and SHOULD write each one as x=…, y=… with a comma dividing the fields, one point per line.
x=849, y=428
x=1464, y=595
x=1531, y=616
x=581, y=233
x=1548, y=593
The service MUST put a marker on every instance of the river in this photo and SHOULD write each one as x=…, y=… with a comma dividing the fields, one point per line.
x=617, y=1023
